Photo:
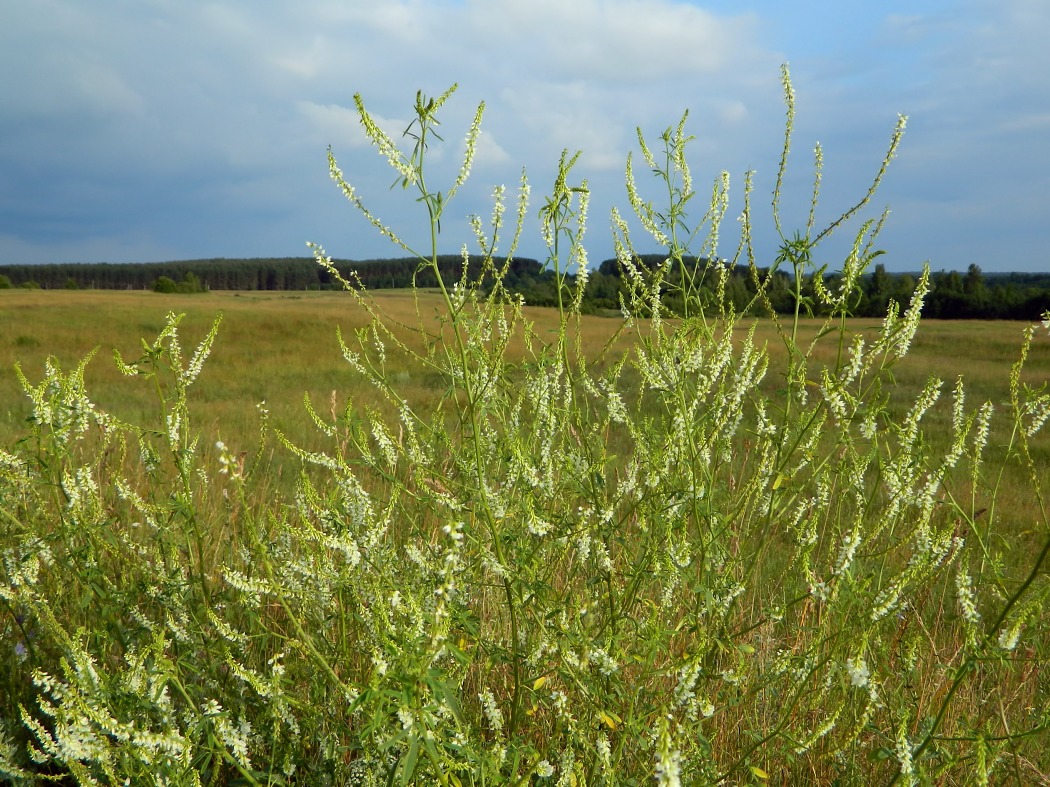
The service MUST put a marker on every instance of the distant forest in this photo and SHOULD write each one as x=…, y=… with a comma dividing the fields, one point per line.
x=954, y=295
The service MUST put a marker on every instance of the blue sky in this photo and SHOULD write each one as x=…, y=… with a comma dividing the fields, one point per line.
x=171, y=129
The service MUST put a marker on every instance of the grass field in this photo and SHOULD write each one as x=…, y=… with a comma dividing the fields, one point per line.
x=502, y=545
x=609, y=615
x=276, y=347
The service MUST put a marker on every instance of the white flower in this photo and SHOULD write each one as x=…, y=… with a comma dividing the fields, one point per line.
x=669, y=769
x=544, y=769
x=966, y=597
x=1008, y=637
x=491, y=710
x=406, y=718
x=858, y=671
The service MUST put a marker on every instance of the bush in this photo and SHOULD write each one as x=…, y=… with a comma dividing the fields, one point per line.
x=574, y=569
x=165, y=284
x=190, y=284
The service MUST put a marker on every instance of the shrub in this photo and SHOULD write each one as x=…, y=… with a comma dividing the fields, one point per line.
x=574, y=570
x=190, y=284
x=165, y=284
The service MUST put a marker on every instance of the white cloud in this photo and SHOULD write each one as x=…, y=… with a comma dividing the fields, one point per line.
x=489, y=153
x=106, y=91
x=732, y=113
x=626, y=41
x=332, y=123
x=570, y=116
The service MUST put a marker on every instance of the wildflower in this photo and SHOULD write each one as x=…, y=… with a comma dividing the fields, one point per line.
x=491, y=710
x=235, y=738
x=454, y=531
x=669, y=768
x=820, y=590
x=904, y=751
x=380, y=663
x=544, y=769
x=967, y=604
x=886, y=601
x=606, y=664
x=406, y=718
x=604, y=752
x=1009, y=636
x=537, y=526
x=910, y=323
x=858, y=671
x=617, y=409
x=1039, y=410
x=471, y=149
x=847, y=551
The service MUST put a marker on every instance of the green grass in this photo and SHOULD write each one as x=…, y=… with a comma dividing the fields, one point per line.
x=276, y=347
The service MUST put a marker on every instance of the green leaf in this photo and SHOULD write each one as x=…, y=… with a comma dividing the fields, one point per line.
x=410, y=761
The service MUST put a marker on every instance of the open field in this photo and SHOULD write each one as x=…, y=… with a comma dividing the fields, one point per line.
x=276, y=347
x=539, y=578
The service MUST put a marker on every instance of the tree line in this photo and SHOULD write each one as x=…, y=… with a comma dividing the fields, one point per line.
x=954, y=295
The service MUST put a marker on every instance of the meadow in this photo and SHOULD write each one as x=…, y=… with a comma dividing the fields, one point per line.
x=276, y=348
x=494, y=544
x=273, y=349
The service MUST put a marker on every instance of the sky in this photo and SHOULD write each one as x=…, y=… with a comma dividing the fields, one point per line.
x=152, y=130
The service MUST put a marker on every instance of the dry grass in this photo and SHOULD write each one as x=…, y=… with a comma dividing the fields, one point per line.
x=276, y=347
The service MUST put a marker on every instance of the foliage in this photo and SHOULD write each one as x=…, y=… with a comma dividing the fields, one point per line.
x=165, y=285
x=1000, y=296
x=189, y=284
x=572, y=570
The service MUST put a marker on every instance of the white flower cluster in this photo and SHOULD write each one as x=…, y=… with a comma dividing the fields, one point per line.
x=493, y=715
x=668, y=771
x=857, y=669
x=967, y=597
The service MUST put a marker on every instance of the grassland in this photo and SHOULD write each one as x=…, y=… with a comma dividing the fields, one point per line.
x=277, y=347
x=592, y=569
